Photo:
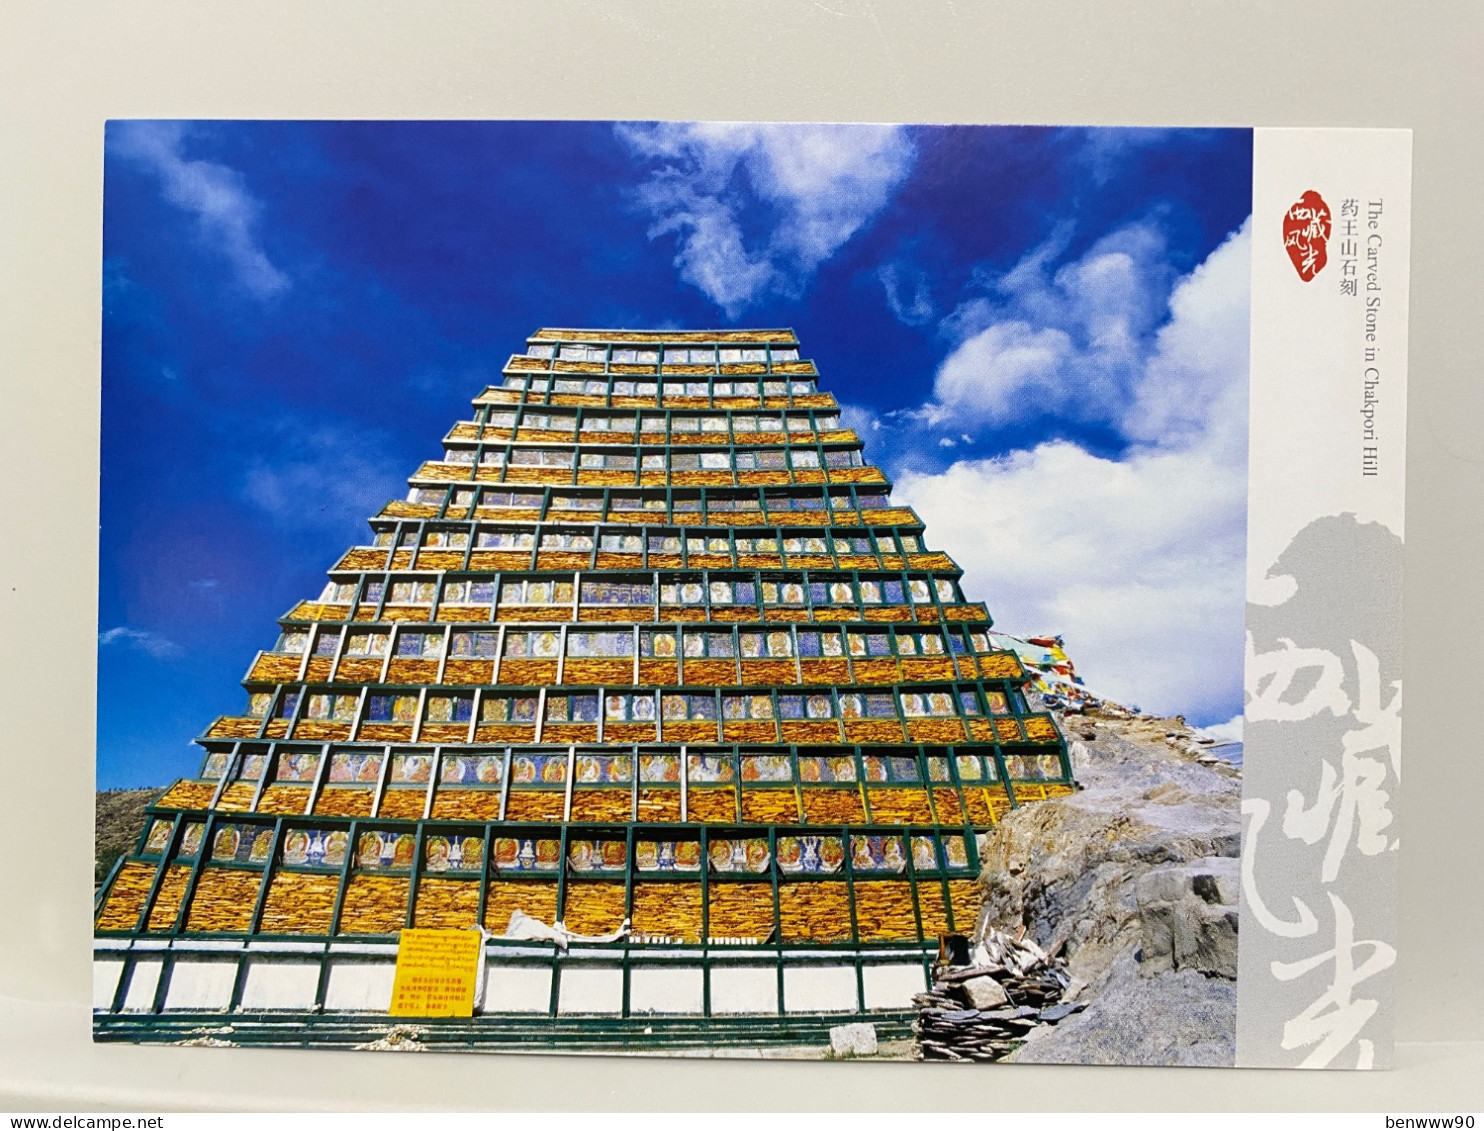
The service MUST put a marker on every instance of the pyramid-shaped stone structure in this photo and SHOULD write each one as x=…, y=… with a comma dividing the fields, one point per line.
x=648, y=653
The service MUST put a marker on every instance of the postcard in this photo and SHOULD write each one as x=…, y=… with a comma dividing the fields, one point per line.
x=816, y=590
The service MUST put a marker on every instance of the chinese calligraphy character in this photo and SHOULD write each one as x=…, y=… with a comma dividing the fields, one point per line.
x=1271, y=674
x=1336, y=1018
x=1353, y=799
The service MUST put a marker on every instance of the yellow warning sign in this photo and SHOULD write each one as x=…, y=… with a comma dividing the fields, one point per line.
x=436, y=973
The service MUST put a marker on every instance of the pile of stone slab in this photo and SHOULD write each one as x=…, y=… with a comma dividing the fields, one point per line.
x=989, y=995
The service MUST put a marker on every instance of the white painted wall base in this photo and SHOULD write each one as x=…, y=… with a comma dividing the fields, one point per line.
x=892, y=987
x=201, y=984
x=744, y=989
x=667, y=989
x=275, y=984
x=819, y=989
x=517, y=989
x=359, y=986
x=106, y=973
x=146, y=978
x=288, y=982
x=591, y=989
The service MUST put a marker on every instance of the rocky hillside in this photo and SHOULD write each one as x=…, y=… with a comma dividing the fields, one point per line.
x=118, y=819
x=1133, y=881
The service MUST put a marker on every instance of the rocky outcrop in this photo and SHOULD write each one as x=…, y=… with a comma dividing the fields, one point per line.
x=1188, y=918
x=1179, y=1017
x=1133, y=881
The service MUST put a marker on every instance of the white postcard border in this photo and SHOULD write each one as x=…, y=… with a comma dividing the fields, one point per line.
x=1322, y=757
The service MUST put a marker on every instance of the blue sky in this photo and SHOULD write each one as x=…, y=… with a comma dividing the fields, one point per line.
x=1041, y=332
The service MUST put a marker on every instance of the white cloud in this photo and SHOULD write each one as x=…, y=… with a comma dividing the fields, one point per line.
x=821, y=183
x=1194, y=387
x=859, y=419
x=989, y=377
x=210, y=191
x=1229, y=731
x=1138, y=561
x=1068, y=342
x=148, y=642
x=327, y=479
x=916, y=311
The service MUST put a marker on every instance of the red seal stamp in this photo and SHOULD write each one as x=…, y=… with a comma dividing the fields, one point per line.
x=1306, y=228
